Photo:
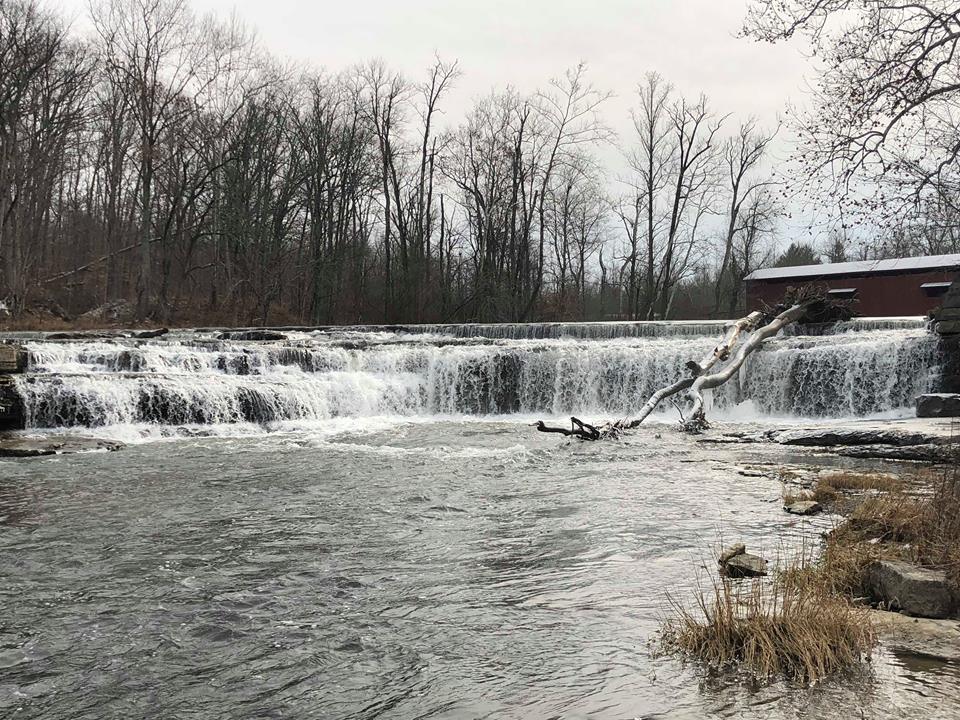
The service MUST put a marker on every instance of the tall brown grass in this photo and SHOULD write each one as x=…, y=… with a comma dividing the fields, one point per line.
x=770, y=630
x=839, y=569
x=834, y=486
x=806, y=622
x=859, y=481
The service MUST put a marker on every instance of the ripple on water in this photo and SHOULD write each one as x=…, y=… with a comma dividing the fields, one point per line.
x=499, y=573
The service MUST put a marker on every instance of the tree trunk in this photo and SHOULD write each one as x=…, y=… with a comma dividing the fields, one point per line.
x=761, y=327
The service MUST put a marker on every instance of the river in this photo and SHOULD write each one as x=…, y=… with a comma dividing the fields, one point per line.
x=370, y=537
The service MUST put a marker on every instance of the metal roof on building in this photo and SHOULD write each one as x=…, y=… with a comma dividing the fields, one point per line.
x=863, y=267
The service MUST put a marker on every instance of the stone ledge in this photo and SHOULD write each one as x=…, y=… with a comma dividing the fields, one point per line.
x=938, y=405
x=935, y=639
x=18, y=446
x=13, y=359
x=911, y=589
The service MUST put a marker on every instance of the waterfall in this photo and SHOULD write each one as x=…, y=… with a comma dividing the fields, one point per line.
x=596, y=369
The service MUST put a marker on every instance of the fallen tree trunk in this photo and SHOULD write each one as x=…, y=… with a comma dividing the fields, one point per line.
x=760, y=325
x=720, y=353
x=698, y=420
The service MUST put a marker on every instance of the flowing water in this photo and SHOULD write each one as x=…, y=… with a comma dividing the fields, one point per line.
x=362, y=524
x=542, y=369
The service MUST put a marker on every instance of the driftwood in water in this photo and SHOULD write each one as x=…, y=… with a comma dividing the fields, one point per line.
x=698, y=419
x=697, y=369
x=797, y=305
x=577, y=428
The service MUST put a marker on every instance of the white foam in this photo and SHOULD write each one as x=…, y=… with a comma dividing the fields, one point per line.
x=315, y=380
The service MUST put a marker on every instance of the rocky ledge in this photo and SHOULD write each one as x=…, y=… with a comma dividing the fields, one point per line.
x=936, y=405
x=912, y=590
x=25, y=446
x=921, y=637
x=922, y=440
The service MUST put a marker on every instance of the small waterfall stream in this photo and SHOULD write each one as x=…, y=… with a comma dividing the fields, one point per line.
x=860, y=368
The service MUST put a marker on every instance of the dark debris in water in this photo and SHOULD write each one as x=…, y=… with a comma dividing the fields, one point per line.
x=22, y=446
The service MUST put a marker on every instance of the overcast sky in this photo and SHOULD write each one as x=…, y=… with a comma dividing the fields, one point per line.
x=692, y=43
x=525, y=43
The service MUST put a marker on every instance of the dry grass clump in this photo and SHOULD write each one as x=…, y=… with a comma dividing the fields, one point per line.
x=924, y=529
x=859, y=481
x=790, y=498
x=888, y=518
x=771, y=630
x=831, y=487
x=840, y=568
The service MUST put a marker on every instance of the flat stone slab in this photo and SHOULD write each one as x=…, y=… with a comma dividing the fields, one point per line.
x=842, y=437
x=911, y=589
x=14, y=446
x=255, y=335
x=922, y=637
x=12, y=359
x=744, y=565
x=803, y=507
x=916, y=453
x=937, y=405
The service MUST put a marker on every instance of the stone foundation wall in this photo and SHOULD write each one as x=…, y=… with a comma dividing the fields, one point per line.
x=12, y=360
x=950, y=350
x=947, y=324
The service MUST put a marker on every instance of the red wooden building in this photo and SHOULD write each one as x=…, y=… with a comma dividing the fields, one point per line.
x=881, y=288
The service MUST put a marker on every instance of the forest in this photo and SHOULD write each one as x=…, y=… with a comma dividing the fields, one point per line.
x=165, y=167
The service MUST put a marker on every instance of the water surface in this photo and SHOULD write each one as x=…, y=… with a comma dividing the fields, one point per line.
x=432, y=569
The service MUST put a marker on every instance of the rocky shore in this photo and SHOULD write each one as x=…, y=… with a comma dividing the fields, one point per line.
x=928, y=440
x=890, y=565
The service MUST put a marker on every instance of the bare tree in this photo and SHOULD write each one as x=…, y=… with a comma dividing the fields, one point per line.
x=153, y=52
x=742, y=154
x=675, y=181
x=884, y=113
x=44, y=79
x=650, y=161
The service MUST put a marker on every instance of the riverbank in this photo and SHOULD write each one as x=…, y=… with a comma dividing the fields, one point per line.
x=889, y=568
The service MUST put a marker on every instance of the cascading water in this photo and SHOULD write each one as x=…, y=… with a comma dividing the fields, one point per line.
x=598, y=369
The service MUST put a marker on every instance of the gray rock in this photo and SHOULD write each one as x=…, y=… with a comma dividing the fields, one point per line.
x=17, y=446
x=823, y=438
x=803, y=507
x=252, y=335
x=917, y=453
x=911, y=589
x=920, y=637
x=952, y=298
x=937, y=405
x=731, y=551
x=744, y=565
x=12, y=359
